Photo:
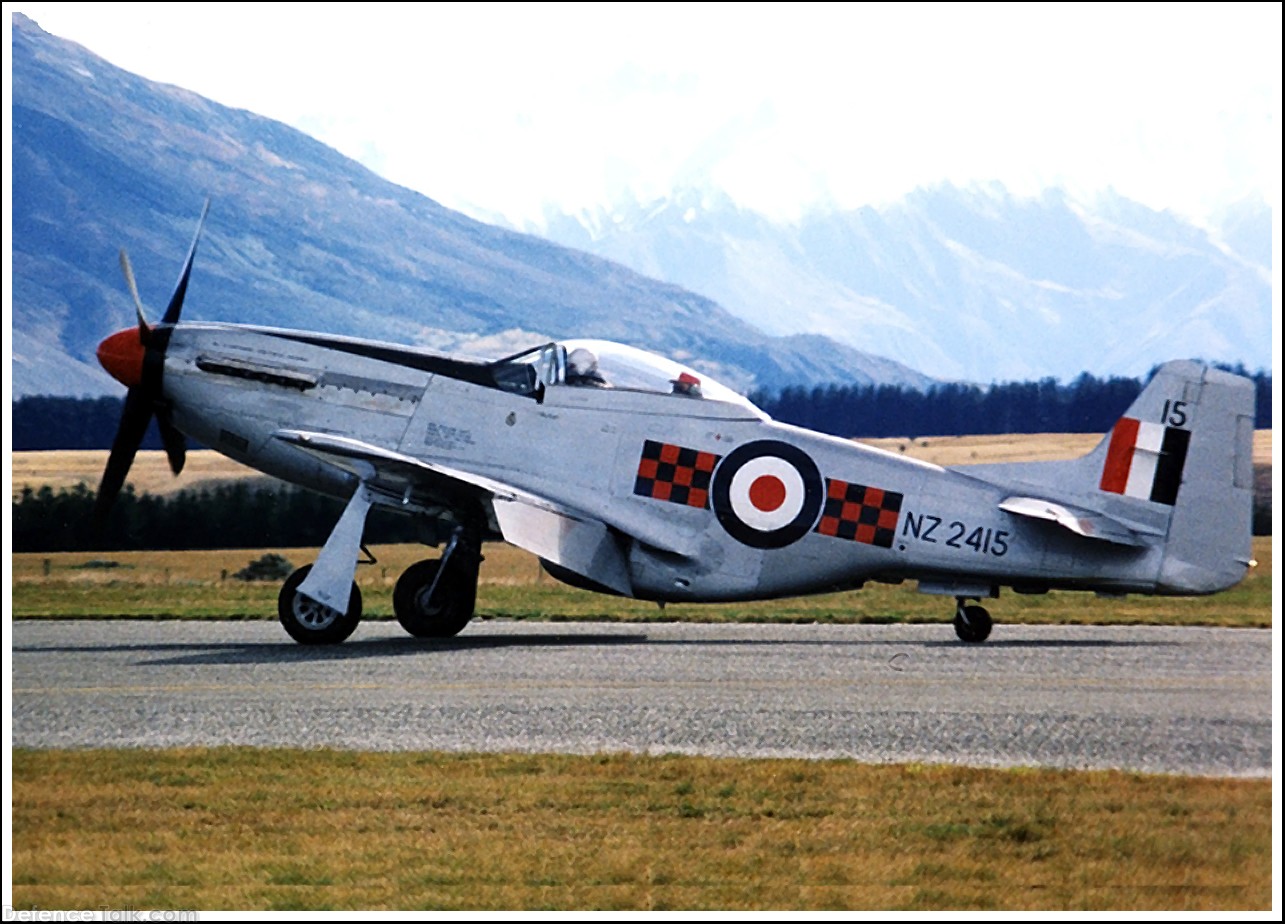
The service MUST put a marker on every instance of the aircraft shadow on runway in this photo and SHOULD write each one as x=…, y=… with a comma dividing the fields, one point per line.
x=286, y=652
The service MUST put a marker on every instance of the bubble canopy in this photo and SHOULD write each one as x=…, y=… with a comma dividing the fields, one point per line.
x=624, y=367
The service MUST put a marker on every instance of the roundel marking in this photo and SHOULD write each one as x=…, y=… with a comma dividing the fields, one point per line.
x=767, y=494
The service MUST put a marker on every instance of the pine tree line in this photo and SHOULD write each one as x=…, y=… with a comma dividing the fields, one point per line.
x=1085, y=405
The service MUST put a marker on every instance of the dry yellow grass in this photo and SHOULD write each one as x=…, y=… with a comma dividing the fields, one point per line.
x=151, y=474
x=268, y=829
x=966, y=450
x=1039, y=447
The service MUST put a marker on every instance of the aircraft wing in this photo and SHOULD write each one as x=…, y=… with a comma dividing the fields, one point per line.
x=1087, y=523
x=546, y=528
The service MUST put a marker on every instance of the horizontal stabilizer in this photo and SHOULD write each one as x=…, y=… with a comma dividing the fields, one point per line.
x=1082, y=522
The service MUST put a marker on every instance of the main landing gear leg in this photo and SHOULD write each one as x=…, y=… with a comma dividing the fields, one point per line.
x=972, y=622
x=436, y=598
x=320, y=604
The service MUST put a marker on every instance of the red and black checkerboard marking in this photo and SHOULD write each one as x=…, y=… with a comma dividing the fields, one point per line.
x=672, y=473
x=860, y=513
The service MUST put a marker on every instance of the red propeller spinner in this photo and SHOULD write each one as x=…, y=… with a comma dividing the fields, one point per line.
x=121, y=355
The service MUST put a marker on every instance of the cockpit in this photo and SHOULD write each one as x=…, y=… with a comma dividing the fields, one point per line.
x=608, y=365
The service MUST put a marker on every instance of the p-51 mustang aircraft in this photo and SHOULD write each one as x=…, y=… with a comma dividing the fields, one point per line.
x=630, y=474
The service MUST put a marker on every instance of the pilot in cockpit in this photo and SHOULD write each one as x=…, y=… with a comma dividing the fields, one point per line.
x=582, y=369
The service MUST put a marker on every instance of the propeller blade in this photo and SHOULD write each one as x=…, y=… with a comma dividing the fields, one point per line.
x=144, y=329
x=175, y=442
x=129, y=436
x=180, y=291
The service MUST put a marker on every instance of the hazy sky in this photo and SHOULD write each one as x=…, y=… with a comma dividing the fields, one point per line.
x=493, y=108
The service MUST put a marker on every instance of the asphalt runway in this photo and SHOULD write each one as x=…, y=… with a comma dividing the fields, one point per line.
x=1169, y=700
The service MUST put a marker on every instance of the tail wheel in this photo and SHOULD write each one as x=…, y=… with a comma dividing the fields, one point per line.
x=432, y=606
x=311, y=623
x=972, y=623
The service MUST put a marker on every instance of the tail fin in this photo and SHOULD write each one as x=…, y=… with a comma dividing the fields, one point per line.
x=1181, y=461
x=1173, y=478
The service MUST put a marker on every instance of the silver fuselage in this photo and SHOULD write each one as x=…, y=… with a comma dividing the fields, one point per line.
x=233, y=387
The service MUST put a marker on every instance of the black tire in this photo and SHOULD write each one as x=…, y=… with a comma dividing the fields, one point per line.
x=972, y=623
x=451, y=606
x=311, y=623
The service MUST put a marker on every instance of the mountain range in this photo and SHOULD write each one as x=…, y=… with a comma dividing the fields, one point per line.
x=301, y=236
x=969, y=284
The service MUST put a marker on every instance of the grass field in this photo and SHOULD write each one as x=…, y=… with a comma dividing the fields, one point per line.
x=276, y=829
x=198, y=585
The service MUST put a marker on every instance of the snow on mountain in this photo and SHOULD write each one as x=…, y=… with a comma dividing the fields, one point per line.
x=972, y=284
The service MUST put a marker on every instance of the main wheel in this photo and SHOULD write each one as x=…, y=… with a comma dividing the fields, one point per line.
x=443, y=611
x=972, y=623
x=313, y=623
